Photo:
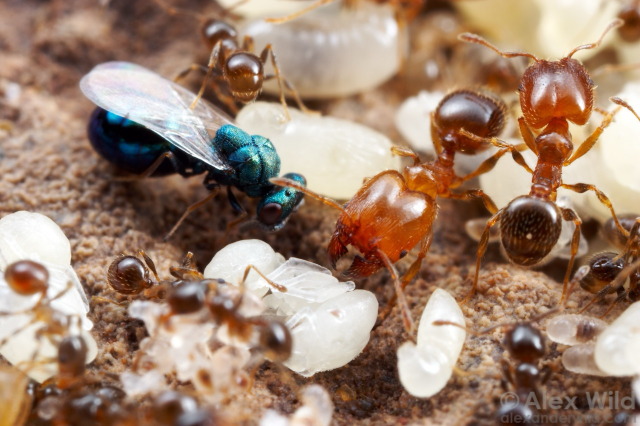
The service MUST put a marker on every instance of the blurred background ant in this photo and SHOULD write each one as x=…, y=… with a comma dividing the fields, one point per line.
x=233, y=62
x=552, y=93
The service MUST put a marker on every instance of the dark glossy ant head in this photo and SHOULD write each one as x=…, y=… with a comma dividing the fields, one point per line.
x=215, y=30
x=480, y=113
x=27, y=277
x=245, y=73
x=128, y=275
x=524, y=342
x=515, y=414
x=170, y=405
x=276, y=341
x=275, y=207
x=612, y=233
x=630, y=14
x=529, y=229
x=72, y=358
x=187, y=298
x=603, y=270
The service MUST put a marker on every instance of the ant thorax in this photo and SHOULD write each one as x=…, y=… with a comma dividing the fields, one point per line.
x=422, y=178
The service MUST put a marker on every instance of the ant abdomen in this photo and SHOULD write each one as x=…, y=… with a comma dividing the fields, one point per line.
x=128, y=275
x=556, y=89
x=477, y=112
x=603, y=270
x=529, y=229
x=611, y=232
x=26, y=277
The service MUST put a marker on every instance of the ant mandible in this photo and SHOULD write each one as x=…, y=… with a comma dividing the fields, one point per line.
x=394, y=211
x=552, y=93
x=235, y=63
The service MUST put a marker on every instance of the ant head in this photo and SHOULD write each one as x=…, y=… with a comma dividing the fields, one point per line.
x=529, y=229
x=556, y=89
x=245, y=73
x=275, y=207
x=215, y=30
x=276, y=340
x=603, y=270
x=128, y=275
x=186, y=298
x=480, y=113
x=27, y=277
x=524, y=342
x=72, y=358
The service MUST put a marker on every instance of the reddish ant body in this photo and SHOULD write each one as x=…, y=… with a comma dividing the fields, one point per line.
x=552, y=93
x=394, y=211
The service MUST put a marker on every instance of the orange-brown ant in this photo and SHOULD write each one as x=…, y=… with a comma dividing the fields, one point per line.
x=525, y=344
x=394, y=211
x=235, y=64
x=552, y=94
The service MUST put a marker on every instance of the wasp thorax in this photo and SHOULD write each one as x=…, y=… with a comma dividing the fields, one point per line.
x=215, y=30
x=524, y=342
x=187, y=298
x=276, y=340
x=475, y=112
x=529, y=228
x=26, y=277
x=603, y=270
x=128, y=275
x=557, y=89
x=245, y=73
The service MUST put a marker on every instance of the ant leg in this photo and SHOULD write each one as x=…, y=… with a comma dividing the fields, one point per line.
x=631, y=242
x=405, y=152
x=434, y=134
x=247, y=44
x=407, y=320
x=615, y=284
x=289, y=183
x=62, y=292
x=409, y=275
x=593, y=138
x=482, y=247
x=149, y=262
x=214, y=191
x=618, y=299
x=486, y=166
x=581, y=188
x=527, y=135
x=514, y=149
x=152, y=168
x=291, y=88
x=476, y=193
x=274, y=61
x=17, y=331
x=570, y=215
x=193, y=67
x=213, y=59
x=315, y=5
x=507, y=371
x=280, y=288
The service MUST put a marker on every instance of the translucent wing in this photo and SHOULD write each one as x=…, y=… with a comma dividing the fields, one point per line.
x=163, y=106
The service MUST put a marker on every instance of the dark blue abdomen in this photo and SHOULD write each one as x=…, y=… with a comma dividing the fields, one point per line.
x=132, y=146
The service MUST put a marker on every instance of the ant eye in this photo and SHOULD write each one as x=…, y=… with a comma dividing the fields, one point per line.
x=271, y=213
x=26, y=277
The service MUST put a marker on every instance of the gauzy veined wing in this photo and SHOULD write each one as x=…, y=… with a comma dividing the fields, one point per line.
x=163, y=106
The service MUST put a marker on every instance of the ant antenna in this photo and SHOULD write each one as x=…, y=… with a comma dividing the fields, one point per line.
x=614, y=24
x=623, y=103
x=474, y=38
x=279, y=181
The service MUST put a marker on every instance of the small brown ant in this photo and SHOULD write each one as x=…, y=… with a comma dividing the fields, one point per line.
x=394, y=211
x=552, y=93
x=235, y=64
x=525, y=344
x=630, y=14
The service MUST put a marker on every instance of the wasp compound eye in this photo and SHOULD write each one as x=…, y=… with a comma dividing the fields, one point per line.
x=271, y=213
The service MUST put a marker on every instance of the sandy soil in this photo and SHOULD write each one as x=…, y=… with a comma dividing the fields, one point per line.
x=48, y=166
